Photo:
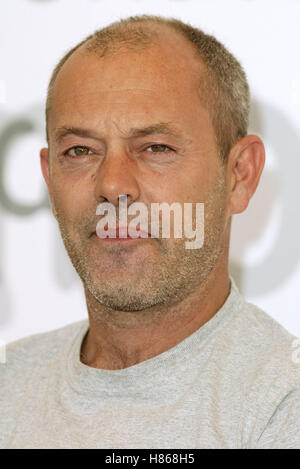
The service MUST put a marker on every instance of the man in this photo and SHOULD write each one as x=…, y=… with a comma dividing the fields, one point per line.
x=151, y=110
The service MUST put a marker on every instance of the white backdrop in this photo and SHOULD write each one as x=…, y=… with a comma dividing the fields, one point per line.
x=39, y=290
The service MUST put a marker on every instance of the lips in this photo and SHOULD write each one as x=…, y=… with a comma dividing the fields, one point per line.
x=121, y=232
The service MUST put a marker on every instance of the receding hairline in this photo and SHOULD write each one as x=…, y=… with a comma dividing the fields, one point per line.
x=223, y=87
x=151, y=34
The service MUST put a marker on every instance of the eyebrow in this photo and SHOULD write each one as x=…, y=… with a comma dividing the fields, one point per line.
x=165, y=128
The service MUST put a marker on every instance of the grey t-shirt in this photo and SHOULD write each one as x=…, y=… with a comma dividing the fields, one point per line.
x=231, y=384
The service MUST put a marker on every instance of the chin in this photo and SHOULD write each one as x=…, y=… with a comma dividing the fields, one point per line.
x=119, y=298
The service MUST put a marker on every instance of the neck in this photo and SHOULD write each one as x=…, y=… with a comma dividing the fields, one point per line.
x=118, y=339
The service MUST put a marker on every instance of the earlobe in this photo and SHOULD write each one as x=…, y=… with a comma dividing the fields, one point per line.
x=245, y=165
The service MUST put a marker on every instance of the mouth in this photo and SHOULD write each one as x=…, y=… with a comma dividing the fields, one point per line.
x=121, y=234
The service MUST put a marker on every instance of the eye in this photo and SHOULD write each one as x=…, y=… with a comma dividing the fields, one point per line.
x=77, y=151
x=158, y=148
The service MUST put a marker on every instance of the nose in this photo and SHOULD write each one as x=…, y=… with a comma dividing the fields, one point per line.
x=116, y=176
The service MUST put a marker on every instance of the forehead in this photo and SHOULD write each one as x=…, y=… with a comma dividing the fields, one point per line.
x=161, y=78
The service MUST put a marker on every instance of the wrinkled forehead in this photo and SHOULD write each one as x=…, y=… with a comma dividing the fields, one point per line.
x=165, y=75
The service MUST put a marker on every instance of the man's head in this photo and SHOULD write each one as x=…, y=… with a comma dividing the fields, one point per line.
x=135, y=110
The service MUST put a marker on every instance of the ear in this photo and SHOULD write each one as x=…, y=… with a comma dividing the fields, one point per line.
x=245, y=164
x=45, y=166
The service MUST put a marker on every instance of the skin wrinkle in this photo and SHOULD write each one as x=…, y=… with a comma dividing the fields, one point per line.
x=147, y=296
x=223, y=89
x=165, y=128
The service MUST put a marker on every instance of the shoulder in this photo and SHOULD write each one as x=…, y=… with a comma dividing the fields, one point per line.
x=258, y=351
x=263, y=333
x=260, y=363
x=38, y=348
x=269, y=362
x=256, y=333
x=265, y=341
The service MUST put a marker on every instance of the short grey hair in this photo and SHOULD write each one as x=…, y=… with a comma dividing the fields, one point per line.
x=225, y=90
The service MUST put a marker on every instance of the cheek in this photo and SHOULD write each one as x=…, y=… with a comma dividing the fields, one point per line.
x=189, y=186
x=72, y=197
